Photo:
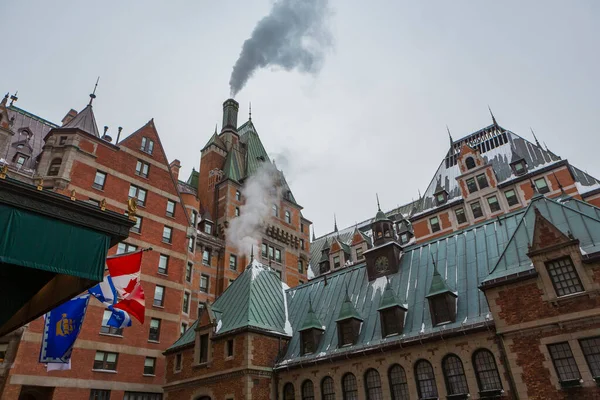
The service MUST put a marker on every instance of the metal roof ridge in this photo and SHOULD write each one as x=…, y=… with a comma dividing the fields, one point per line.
x=31, y=115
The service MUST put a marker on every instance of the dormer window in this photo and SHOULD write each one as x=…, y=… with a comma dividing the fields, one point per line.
x=470, y=162
x=441, y=197
x=519, y=167
x=324, y=267
x=435, y=224
x=208, y=228
x=348, y=332
x=19, y=160
x=564, y=276
x=336, y=262
x=54, y=167
x=482, y=181
x=392, y=321
x=404, y=238
x=443, y=309
x=471, y=185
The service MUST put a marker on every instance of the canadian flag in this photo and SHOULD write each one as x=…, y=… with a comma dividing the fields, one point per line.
x=124, y=271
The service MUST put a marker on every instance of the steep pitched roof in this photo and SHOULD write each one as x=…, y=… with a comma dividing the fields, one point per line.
x=254, y=300
x=85, y=120
x=348, y=311
x=215, y=140
x=583, y=225
x=193, y=179
x=389, y=299
x=438, y=285
x=233, y=168
x=311, y=321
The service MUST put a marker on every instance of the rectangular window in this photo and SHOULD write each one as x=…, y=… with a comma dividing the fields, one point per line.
x=203, y=351
x=238, y=195
x=482, y=181
x=302, y=228
x=441, y=312
x=264, y=250
x=110, y=330
x=206, y=257
x=237, y=211
x=461, y=217
x=99, y=394
x=201, y=307
x=191, y=244
x=275, y=211
x=183, y=328
x=390, y=322
x=288, y=217
x=142, y=396
x=159, y=295
x=147, y=145
x=346, y=333
x=99, y=180
x=564, y=277
x=435, y=224
x=178, y=362
x=170, y=208
x=511, y=197
x=207, y=228
x=564, y=362
x=230, y=348
x=300, y=266
x=21, y=160
x=194, y=218
x=403, y=239
x=278, y=272
x=493, y=204
x=471, y=185
x=142, y=168
x=591, y=351
x=233, y=262
x=125, y=248
x=302, y=244
x=149, y=365
x=477, y=211
x=359, y=253
x=163, y=264
x=188, y=272
x=278, y=255
x=336, y=262
x=204, y=283
x=63, y=140
x=139, y=194
x=271, y=252
x=186, y=303
x=137, y=228
x=3, y=350
x=167, y=234
x=541, y=185
x=105, y=360
x=154, y=334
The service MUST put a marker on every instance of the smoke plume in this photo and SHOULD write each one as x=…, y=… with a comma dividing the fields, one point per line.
x=260, y=193
x=293, y=35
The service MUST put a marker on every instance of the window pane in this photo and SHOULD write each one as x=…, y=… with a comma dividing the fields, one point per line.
x=327, y=389
x=435, y=224
x=564, y=362
x=541, y=185
x=425, y=379
x=308, y=391
x=288, y=392
x=493, y=203
x=456, y=382
x=511, y=197
x=461, y=218
x=471, y=185
x=163, y=263
x=591, y=351
x=564, y=277
x=398, y=383
x=486, y=371
x=349, y=387
x=476, y=208
x=170, y=208
x=482, y=181
x=373, y=385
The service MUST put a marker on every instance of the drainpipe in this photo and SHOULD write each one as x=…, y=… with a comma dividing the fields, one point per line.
x=511, y=381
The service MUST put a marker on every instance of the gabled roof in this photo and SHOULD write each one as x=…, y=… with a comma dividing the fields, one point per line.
x=348, y=311
x=583, y=225
x=255, y=151
x=215, y=140
x=389, y=299
x=85, y=120
x=254, y=300
x=311, y=321
x=438, y=285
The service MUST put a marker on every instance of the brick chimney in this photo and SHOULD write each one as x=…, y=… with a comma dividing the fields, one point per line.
x=174, y=167
x=70, y=115
x=230, y=114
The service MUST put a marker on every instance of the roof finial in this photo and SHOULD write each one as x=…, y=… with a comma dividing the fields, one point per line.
x=252, y=254
x=216, y=128
x=250, y=112
x=450, y=136
x=536, y=139
x=93, y=95
x=335, y=228
x=14, y=98
x=378, y=206
x=419, y=190
x=492, y=114
x=313, y=233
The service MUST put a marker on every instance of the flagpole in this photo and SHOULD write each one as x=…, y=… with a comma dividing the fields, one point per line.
x=130, y=253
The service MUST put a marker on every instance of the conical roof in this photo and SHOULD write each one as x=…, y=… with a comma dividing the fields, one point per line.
x=438, y=286
x=389, y=299
x=85, y=121
x=348, y=310
x=311, y=321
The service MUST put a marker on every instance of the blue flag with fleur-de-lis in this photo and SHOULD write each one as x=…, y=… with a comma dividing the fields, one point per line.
x=61, y=328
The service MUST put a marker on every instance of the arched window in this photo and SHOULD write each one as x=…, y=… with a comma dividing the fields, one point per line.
x=308, y=390
x=288, y=392
x=54, y=167
x=425, y=379
x=398, y=383
x=327, y=388
x=486, y=371
x=470, y=163
x=349, y=387
x=373, y=385
x=454, y=374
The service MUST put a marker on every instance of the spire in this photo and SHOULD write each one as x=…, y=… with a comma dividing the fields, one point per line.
x=437, y=282
x=313, y=233
x=216, y=128
x=93, y=95
x=348, y=311
x=450, y=136
x=14, y=98
x=492, y=114
x=388, y=298
x=378, y=206
x=335, y=228
x=536, y=139
x=250, y=112
x=252, y=254
x=311, y=321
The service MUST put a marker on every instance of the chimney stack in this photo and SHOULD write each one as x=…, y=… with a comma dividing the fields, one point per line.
x=174, y=166
x=70, y=115
x=230, y=114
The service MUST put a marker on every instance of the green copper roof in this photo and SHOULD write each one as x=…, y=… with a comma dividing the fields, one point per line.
x=255, y=152
x=311, y=321
x=380, y=216
x=233, y=166
x=438, y=285
x=582, y=221
x=193, y=179
x=215, y=140
x=348, y=310
x=388, y=299
x=256, y=300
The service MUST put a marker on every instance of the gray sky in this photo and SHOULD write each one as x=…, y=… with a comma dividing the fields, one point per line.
x=374, y=119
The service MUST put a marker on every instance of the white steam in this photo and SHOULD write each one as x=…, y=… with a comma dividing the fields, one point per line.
x=260, y=193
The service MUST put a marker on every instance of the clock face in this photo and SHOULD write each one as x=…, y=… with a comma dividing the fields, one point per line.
x=382, y=264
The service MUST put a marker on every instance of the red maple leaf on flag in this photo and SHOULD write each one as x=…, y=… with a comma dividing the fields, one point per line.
x=130, y=286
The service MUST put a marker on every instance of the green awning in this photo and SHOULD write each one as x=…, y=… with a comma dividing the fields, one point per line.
x=35, y=241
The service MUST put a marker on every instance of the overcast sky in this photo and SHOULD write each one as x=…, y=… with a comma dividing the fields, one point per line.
x=374, y=119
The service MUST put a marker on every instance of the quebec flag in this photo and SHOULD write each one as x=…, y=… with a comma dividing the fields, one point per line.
x=61, y=328
x=106, y=293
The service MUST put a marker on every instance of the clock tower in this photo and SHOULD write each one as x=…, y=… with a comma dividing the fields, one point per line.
x=384, y=258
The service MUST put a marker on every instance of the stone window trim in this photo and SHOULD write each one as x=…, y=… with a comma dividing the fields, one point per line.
x=209, y=357
x=229, y=349
x=185, y=308
x=572, y=339
x=178, y=363
x=570, y=249
x=434, y=224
